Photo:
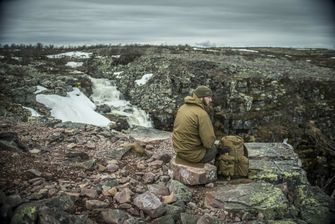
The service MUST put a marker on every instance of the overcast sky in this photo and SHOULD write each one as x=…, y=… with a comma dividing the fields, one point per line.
x=230, y=23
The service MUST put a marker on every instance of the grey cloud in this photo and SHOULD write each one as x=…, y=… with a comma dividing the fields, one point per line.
x=253, y=22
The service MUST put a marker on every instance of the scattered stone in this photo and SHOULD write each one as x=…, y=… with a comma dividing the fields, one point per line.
x=260, y=216
x=73, y=195
x=140, y=166
x=190, y=174
x=124, y=206
x=166, y=219
x=149, y=178
x=111, y=216
x=211, y=201
x=35, y=151
x=187, y=218
x=124, y=180
x=56, y=137
x=93, y=204
x=77, y=156
x=158, y=189
x=112, y=167
x=123, y=196
x=91, y=193
x=166, y=158
x=174, y=211
x=140, y=189
x=71, y=145
x=192, y=205
x=205, y=219
x=237, y=219
x=115, y=153
x=109, y=183
x=169, y=199
x=150, y=204
x=134, y=211
x=180, y=190
x=34, y=173
x=87, y=165
x=101, y=168
x=149, y=147
x=11, y=142
x=156, y=164
x=135, y=147
x=164, y=178
x=36, y=181
x=110, y=192
x=12, y=200
x=90, y=145
x=40, y=194
x=210, y=185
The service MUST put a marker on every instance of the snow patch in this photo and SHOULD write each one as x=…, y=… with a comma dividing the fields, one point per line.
x=33, y=112
x=245, y=50
x=40, y=89
x=74, y=54
x=75, y=107
x=118, y=74
x=74, y=64
x=145, y=78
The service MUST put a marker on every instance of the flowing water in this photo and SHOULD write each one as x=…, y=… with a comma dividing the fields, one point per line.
x=104, y=92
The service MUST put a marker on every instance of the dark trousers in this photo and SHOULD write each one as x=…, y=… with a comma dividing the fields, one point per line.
x=210, y=155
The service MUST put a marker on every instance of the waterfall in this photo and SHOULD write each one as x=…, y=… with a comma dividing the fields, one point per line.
x=104, y=92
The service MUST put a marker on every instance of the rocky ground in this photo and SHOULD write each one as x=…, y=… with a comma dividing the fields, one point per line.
x=75, y=173
x=263, y=94
x=98, y=170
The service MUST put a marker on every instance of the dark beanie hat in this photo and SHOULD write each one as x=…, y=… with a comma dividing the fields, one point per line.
x=203, y=91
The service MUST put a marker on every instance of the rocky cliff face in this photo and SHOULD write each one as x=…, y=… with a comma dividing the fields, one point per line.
x=265, y=94
x=252, y=90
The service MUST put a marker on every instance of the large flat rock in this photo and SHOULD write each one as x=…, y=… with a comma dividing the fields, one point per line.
x=192, y=174
x=274, y=163
x=253, y=197
x=271, y=151
x=276, y=171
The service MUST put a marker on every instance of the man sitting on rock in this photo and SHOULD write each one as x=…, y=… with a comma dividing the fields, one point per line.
x=193, y=134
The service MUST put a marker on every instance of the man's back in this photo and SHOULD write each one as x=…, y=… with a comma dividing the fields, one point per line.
x=193, y=132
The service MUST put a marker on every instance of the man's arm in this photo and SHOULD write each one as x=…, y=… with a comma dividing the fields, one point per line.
x=206, y=131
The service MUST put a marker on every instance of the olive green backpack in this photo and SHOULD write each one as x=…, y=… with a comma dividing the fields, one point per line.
x=235, y=163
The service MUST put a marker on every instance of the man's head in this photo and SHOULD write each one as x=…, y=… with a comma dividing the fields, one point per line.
x=205, y=93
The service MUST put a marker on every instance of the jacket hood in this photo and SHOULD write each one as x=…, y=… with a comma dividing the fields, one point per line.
x=194, y=100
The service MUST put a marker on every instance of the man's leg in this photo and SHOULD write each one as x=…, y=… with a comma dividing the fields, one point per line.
x=210, y=155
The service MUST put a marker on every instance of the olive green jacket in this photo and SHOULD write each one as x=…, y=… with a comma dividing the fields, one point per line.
x=193, y=131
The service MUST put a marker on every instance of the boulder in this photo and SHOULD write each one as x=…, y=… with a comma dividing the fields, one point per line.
x=158, y=189
x=192, y=173
x=114, y=216
x=10, y=141
x=274, y=163
x=150, y=204
x=315, y=206
x=253, y=198
x=181, y=191
x=123, y=196
x=48, y=211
